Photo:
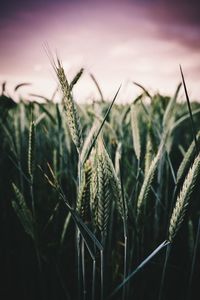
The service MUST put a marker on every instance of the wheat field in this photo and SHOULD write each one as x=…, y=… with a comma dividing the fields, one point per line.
x=99, y=200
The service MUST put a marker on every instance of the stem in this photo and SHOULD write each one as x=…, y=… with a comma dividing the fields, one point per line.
x=36, y=240
x=35, y=227
x=131, y=255
x=125, y=261
x=83, y=268
x=102, y=275
x=193, y=260
x=78, y=241
x=134, y=238
x=164, y=271
x=93, y=279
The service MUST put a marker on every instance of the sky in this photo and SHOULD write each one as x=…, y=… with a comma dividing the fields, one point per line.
x=117, y=41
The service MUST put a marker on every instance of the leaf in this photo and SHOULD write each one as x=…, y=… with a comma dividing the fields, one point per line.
x=21, y=85
x=141, y=266
x=76, y=78
x=101, y=126
x=170, y=107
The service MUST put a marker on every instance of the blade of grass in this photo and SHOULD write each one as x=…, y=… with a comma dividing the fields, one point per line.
x=143, y=263
x=190, y=111
x=143, y=88
x=101, y=126
x=98, y=87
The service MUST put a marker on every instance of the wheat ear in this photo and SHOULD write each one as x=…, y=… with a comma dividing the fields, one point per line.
x=148, y=155
x=187, y=160
x=105, y=188
x=183, y=199
x=144, y=192
x=31, y=146
x=83, y=201
x=73, y=119
x=23, y=212
x=135, y=130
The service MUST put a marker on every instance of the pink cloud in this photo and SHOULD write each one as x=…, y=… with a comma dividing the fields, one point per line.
x=115, y=42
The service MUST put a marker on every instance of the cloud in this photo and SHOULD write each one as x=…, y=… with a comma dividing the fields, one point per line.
x=137, y=40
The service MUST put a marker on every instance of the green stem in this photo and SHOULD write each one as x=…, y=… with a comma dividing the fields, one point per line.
x=78, y=241
x=164, y=272
x=93, y=278
x=102, y=274
x=35, y=226
x=83, y=269
x=193, y=260
x=125, y=261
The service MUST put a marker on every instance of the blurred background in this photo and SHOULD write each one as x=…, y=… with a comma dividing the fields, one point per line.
x=117, y=41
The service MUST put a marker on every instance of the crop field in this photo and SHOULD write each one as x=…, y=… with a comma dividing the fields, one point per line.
x=99, y=200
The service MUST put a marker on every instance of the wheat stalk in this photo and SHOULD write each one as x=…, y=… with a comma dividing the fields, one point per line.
x=135, y=130
x=73, y=119
x=148, y=155
x=115, y=186
x=187, y=160
x=94, y=195
x=144, y=192
x=105, y=187
x=83, y=201
x=23, y=212
x=31, y=146
x=183, y=199
x=104, y=190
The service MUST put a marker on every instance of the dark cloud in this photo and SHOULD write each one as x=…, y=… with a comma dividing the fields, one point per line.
x=179, y=11
x=13, y=8
x=178, y=21
x=174, y=18
x=163, y=11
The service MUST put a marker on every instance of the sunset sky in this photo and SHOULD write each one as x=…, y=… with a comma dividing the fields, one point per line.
x=117, y=41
